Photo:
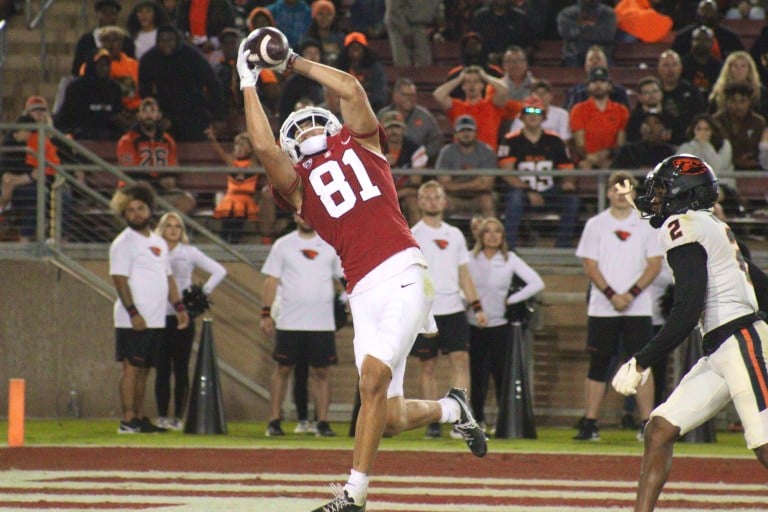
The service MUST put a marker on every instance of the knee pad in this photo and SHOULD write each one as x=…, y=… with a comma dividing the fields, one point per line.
x=598, y=366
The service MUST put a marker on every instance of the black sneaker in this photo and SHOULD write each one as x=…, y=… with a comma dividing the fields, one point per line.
x=588, y=432
x=129, y=427
x=467, y=426
x=147, y=427
x=433, y=431
x=323, y=429
x=580, y=423
x=342, y=502
x=274, y=429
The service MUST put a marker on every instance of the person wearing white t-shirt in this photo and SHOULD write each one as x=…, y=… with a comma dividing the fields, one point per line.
x=140, y=268
x=176, y=347
x=621, y=255
x=492, y=267
x=445, y=249
x=307, y=270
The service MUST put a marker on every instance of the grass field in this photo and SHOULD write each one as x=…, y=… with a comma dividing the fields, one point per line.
x=73, y=432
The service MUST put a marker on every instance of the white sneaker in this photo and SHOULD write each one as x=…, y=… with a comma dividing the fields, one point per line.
x=304, y=427
x=176, y=424
x=163, y=422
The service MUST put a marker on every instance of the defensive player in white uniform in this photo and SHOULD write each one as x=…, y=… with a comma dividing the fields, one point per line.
x=305, y=267
x=712, y=284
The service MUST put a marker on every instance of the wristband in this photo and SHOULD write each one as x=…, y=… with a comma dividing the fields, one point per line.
x=132, y=311
x=179, y=307
x=265, y=311
x=476, y=306
x=609, y=292
x=635, y=290
x=291, y=59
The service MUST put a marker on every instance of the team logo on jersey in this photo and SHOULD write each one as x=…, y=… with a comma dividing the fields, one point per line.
x=155, y=250
x=309, y=254
x=442, y=244
x=622, y=235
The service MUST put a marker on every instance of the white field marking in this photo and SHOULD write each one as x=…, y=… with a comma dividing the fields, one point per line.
x=514, y=489
x=301, y=505
x=633, y=450
x=9, y=477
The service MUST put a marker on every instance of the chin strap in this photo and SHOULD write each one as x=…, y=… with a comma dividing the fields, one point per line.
x=625, y=188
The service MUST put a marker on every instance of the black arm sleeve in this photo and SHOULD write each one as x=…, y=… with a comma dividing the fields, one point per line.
x=689, y=266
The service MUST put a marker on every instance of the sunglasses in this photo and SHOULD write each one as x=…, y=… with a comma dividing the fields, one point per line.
x=533, y=110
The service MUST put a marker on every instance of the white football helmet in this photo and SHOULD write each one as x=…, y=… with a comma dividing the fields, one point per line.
x=301, y=121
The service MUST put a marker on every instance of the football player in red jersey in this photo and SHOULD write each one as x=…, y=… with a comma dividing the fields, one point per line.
x=337, y=179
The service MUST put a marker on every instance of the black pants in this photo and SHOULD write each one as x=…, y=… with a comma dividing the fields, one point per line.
x=173, y=358
x=488, y=348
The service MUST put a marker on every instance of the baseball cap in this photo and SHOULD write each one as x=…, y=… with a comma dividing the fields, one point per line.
x=356, y=37
x=465, y=122
x=533, y=105
x=35, y=103
x=317, y=5
x=599, y=73
x=100, y=53
x=107, y=3
x=393, y=118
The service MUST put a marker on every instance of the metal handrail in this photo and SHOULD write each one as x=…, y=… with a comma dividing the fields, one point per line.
x=34, y=22
x=3, y=57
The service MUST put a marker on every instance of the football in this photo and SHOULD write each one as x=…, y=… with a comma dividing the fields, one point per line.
x=268, y=46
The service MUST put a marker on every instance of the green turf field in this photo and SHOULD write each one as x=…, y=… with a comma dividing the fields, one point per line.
x=72, y=432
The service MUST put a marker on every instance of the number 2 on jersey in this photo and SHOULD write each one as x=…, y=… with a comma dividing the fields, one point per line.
x=337, y=195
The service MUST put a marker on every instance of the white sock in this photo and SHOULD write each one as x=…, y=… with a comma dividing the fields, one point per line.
x=450, y=411
x=357, y=486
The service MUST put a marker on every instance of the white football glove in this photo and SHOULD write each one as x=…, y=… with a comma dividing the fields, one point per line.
x=627, y=379
x=248, y=76
x=280, y=68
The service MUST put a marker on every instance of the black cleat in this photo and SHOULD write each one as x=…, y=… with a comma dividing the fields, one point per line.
x=341, y=502
x=433, y=431
x=324, y=430
x=467, y=426
x=147, y=427
x=274, y=429
x=589, y=431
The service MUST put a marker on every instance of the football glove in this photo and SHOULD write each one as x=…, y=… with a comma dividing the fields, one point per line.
x=248, y=74
x=195, y=300
x=280, y=68
x=627, y=379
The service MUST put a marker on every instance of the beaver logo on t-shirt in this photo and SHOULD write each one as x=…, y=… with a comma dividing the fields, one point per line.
x=155, y=250
x=309, y=253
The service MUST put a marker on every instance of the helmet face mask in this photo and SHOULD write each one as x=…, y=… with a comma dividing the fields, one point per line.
x=678, y=183
x=296, y=138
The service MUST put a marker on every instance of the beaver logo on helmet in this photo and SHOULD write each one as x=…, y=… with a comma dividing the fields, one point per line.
x=678, y=183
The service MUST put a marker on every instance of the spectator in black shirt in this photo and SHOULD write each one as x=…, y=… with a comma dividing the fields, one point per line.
x=184, y=84
x=699, y=66
x=726, y=41
x=649, y=99
x=93, y=103
x=651, y=149
x=501, y=27
x=681, y=99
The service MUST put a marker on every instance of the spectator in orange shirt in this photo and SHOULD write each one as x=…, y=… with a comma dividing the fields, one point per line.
x=147, y=145
x=491, y=111
x=598, y=124
x=125, y=69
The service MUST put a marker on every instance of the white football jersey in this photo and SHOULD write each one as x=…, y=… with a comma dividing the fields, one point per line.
x=730, y=294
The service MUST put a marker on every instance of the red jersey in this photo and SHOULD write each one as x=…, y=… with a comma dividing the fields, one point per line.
x=350, y=200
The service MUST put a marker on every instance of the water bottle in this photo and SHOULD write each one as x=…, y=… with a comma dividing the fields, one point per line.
x=73, y=405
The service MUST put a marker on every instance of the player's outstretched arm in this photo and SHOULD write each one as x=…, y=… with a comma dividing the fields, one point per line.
x=278, y=166
x=355, y=107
